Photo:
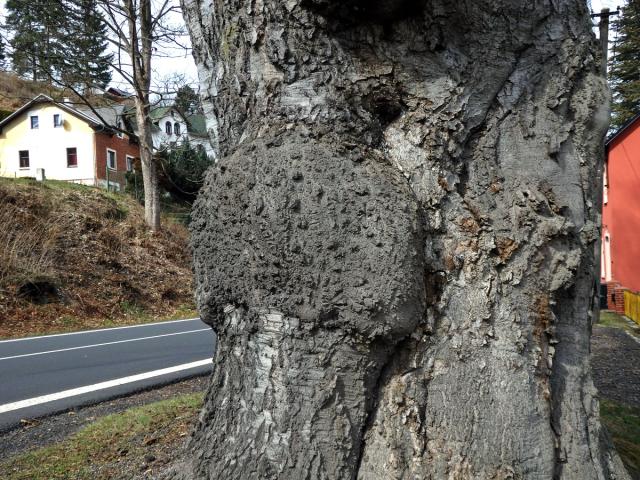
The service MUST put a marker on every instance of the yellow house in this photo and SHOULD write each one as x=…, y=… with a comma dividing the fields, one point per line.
x=66, y=143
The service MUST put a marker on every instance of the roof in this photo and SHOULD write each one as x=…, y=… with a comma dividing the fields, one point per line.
x=105, y=118
x=197, y=124
x=621, y=130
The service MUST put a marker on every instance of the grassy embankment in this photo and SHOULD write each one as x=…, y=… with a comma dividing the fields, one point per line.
x=75, y=257
x=117, y=446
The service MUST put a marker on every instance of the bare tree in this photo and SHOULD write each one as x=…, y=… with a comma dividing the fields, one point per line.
x=140, y=30
x=397, y=245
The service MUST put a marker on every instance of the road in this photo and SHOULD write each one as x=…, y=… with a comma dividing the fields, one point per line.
x=44, y=375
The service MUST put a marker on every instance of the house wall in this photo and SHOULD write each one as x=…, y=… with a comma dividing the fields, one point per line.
x=621, y=212
x=47, y=146
x=122, y=147
x=160, y=136
x=204, y=143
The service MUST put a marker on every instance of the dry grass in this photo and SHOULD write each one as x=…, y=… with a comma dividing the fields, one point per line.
x=16, y=91
x=26, y=253
x=93, y=247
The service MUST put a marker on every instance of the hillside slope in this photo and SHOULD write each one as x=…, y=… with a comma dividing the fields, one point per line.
x=77, y=257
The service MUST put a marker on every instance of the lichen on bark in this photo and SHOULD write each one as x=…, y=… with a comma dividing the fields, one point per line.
x=397, y=246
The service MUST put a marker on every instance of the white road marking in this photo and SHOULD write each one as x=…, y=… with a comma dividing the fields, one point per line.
x=97, y=330
x=30, y=402
x=103, y=344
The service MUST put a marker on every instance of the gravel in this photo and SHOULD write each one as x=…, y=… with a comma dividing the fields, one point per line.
x=615, y=361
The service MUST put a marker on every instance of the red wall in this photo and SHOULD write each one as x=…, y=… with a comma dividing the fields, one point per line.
x=621, y=214
x=122, y=148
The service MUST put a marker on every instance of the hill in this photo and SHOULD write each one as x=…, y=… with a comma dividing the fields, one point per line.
x=77, y=257
x=16, y=91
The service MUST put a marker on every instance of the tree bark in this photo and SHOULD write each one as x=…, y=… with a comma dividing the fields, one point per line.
x=140, y=24
x=397, y=249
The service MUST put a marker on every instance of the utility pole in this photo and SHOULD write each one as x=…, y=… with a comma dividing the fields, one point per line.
x=604, y=35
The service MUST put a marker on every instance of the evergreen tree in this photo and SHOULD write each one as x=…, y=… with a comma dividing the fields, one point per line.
x=59, y=41
x=89, y=63
x=36, y=47
x=625, y=65
x=3, y=58
x=187, y=100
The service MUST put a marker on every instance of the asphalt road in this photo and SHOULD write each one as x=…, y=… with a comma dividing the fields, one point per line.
x=44, y=375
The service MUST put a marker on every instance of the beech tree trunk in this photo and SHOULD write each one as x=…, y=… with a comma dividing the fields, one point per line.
x=397, y=249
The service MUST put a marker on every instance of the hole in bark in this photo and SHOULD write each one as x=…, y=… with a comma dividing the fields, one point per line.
x=362, y=11
x=384, y=105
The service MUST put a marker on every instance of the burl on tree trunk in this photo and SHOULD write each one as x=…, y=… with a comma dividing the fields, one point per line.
x=397, y=246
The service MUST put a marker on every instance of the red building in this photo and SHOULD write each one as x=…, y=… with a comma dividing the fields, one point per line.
x=620, y=256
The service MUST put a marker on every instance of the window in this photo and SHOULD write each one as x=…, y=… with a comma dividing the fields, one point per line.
x=24, y=159
x=34, y=122
x=129, y=163
x=167, y=128
x=605, y=186
x=176, y=128
x=72, y=157
x=119, y=134
x=57, y=120
x=111, y=159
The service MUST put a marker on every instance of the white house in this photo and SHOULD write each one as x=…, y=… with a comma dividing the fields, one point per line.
x=67, y=143
x=173, y=127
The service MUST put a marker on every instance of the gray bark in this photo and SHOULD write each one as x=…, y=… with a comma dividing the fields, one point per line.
x=397, y=247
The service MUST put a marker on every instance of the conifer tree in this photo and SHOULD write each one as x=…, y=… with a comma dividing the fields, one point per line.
x=89, y=63
x=61, y=42
x=625, y=65
x=36, y=47
x=3, y=57
x=187, y=100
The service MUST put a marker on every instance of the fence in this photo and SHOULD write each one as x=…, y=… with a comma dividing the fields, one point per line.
x=632, y=306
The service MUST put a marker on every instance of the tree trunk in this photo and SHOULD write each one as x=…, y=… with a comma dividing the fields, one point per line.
x=149, y=167
x=397, y=247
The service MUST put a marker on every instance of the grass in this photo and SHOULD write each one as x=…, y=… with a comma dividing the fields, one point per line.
x=110, y=445
x=623, y=424
x=612, y=319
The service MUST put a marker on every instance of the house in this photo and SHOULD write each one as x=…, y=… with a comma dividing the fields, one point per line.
x=68, y=143
x=620, y=254
x=172, y=127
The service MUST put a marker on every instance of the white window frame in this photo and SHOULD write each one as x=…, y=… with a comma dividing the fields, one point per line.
x=129, y=160
x=605, y=186
x=119, y=134
x=60, y=122
x=31, y=117
x=115, y=159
